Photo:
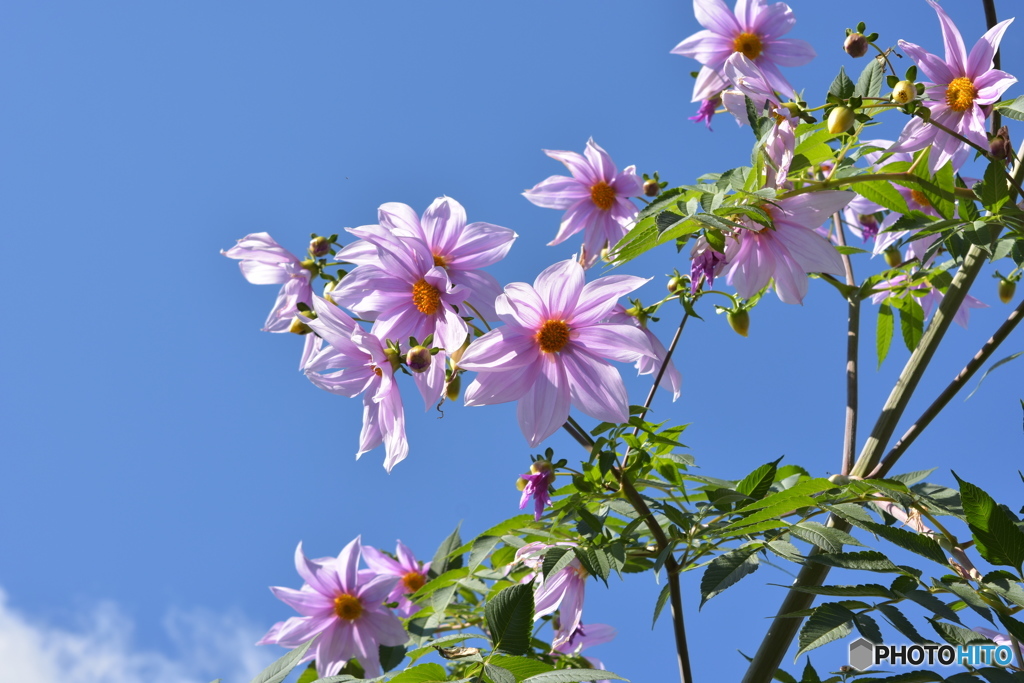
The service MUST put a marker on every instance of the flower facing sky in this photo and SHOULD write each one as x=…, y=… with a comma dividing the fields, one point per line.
x=753, y=30
x=265, y=262
x=342, y=606
x=412, y=575
x=961, y=85
x=595, y=199
x=553, y=348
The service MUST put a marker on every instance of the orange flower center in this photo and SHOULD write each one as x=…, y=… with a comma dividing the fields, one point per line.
x=960, y=94
x=603, y=195
x=553, y=336
x=348, y=607
x=749, y=44
x=919, y=197
x=377, y=371
x=439, y=261
x=413, y=581
x=425, y=297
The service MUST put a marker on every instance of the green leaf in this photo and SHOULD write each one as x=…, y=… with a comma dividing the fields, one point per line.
x=279, y=670
x=755, y=485
x=956, y=635
x=865, y=590
x=829, y=539
x=510, y=619
x=498, y=674
x=902, y=624
x=868, y=628
x=868, y=560
x=882, y=192
x=555, y=559
x=422, y=673
x=870, y=82
x=912, y=323
x=725, y=570
x=1014, y=109
x=813, y=147
x=441, y=562
x=994, y=366
x=842, y=87
x=309, y=675
x=908, y=540
x=993, y=190
x=391, y=656
x=966, y=592
x=883, y=333
x=482, y=547
x=660, y=604
x=803, y=489
x=932, y=604
x=1013, y=627
x=995, y=532
x=521, y=667
x=572, y=676
x=828, y=622
x=1004, y=584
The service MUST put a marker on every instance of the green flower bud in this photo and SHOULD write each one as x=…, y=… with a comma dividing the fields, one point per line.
x=453, y=388
x=392, y=355
x=840, y=120
x=651, y=188
x=1007, y=288
x=856, y=45
x=839, y=479
x=521, y=483
x=540, y=466
x=319, y=246
x=739, y=321
x=418, y=358
x=675, y=283
x=904, y=92
x=299, y=326
x=893, y=257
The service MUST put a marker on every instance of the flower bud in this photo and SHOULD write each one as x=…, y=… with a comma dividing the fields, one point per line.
x=674, y=284
x=999, y=146
x=840, y=120
x=392, y=355
x=893, y=257
x=299, y=325
x=453, y=388
x=651, y=188
x=540, y=466
x=1007, y=288
x=839, y=479
x=521, y=483
x=792, y=107
x=319, y=246
x=418, y=358
x=739, y=321
x=904, y=92
x=856, y=45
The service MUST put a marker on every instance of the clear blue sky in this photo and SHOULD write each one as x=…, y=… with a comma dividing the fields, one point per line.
x=162, y=456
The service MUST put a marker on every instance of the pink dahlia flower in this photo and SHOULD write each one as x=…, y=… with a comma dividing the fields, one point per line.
x=961, y=87
x=538, y=480
x=552, y=349
x=930, y=301
x=412, y=575
x=582, y=638
x=265, y=262
x=672, y=380
x=789, y=251
x=595, y=199
x=754, y=31
x=354, y=363
x=338, y=603
x=563, y=591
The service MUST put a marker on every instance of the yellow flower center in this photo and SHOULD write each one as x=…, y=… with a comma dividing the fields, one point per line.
x=553, y=336
x=603, y=195
x=919, y=197
x=749, y=44
x=439, y=261
x=960, y=94
x=413, y=581
x=425, y=297
x=348, y=607
x=377, y=371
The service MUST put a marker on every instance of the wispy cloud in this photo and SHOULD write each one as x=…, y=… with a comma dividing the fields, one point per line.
x=99, y=649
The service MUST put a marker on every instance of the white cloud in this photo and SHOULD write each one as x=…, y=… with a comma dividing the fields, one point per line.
x=99, y=649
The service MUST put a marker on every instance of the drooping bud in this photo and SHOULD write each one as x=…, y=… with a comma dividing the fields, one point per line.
x=319, y=246
x=739, y=321
x=1007, y=288
x=904, y=92
x=856, y=45
x=453, y=388
x=999, y=146
x=418, y=358
x=893, y=257
x=540, y=466
x=840, y=120
x=651, y=188
x=675, y=284
x=392, y=355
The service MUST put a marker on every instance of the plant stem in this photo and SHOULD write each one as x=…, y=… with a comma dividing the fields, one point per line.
x=852, y=343
x=972, y=366
x=990, y=21
x=984, y=152
x=664, y=366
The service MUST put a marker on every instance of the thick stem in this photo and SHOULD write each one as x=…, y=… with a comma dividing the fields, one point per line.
x=949, y=392
x=852, y=343
x=991, y=20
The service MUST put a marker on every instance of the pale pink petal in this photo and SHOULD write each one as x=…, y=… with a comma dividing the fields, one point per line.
x=521, y=306
x=578, y=217
x=545, y=406
x=577, y=165
x=490, y=388
x=706, y=47
x=442, y=224
x=379, y=562
x=623, y=343
x=980, y=59
x=322, y=579
x=789, y=51
x=307, y=602
x=374, y=591
x=812, y=252
x=557, y=192
x=992, y=85
x=483, y=291
x=480, y=245
x=708, y=84
x=772, y=21
x=595, y=387
x=956, y=54
x=431, y=382
x=400, y=219
x=501, y=349
x=715, y=16
x=604, y=167
x=346, y=566
x=932, y=65
x=559, y=287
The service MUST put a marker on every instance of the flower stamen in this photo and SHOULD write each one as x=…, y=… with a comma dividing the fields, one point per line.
x=920, y=198
x=425, y=297
x=961, y=93
x=413, y=581
x=348, y=607
x=749, y=44
x=603, y=195
x=439, y=261
x=553, y=336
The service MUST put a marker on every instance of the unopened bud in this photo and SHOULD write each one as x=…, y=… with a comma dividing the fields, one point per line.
x=839, y=479
x=392, y=356
x=319, y=246
x=739, y=321
x=309, y=264
x=299, y=326
x=792, y=107
x=999, y=146
x=453, y=388
x=418, y=358
x=674, y=284
x=1007, y=288
x=893, y=257
x=651, y=188
x=856, y=45
x=904, y=92
x=521, y=483
x=540, y=466
x=840, y=120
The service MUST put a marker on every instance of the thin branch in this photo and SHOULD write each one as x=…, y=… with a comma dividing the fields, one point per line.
x=661, y=370
x=985, y=152
x=972, y=366
x=852, y=344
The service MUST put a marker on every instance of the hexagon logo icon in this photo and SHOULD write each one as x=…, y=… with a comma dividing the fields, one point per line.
x=862, y=654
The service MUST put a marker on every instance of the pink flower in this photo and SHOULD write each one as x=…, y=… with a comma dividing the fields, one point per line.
x=754, y=31
x=552, y=350
x=789, y=251
x=341, y=606
x=929, y=301
x=672, y=380
x=961, y=88
x=706, y=111
x=595, y=199
x=540, y=477
x=564, y=590
x=582, y=638
x=354, y=364
x=412, y=575
x=265, y=262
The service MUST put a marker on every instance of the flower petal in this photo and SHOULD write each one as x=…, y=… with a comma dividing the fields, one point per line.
x=559, y=287
x=545, y=405
x=595, y=386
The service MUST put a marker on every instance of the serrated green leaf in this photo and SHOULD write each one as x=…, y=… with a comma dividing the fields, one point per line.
x=869, y=84
x=920, y=544
x=968, y=594
x=912, y=324
x=805, y=488
x=993, y=190
x=556, y=558
x=868, y=560
x=842, y=87
x=900, y=622
x=279, y=670
x=865, y=590
x=660, y=604
x=882, y=192
x=932, y=604
x=482, y=548
x=498, y=674
x=755, y=485
x=993, y=367
x=510, y=619
x=391, y=656
x=1004, y=584
x=521, y=667
x=442, y=562
x=422, y=673
x=1014, y=109
x=868, y=628
x=725, y=570
x=572, y=676
x=309, y=675
x=883, y=332
x=827, y=622
x=956, y=635
x=995, y=532
x=829, y=539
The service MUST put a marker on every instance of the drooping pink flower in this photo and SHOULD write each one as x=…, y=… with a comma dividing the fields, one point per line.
x=705, y=263
x=706, y=111
x=552, y=349
x=563, y=591
x=789, y=251
x=595, y=199
x=582, y=638
x=930, y=301
x=753, y=30
x=961, y=87
x=540, y=477
x=338, y=603
x=265, y=262
x=412, y=575
x=355, y=363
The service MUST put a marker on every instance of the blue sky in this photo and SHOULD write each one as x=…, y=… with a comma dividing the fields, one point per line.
x=163, y=457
